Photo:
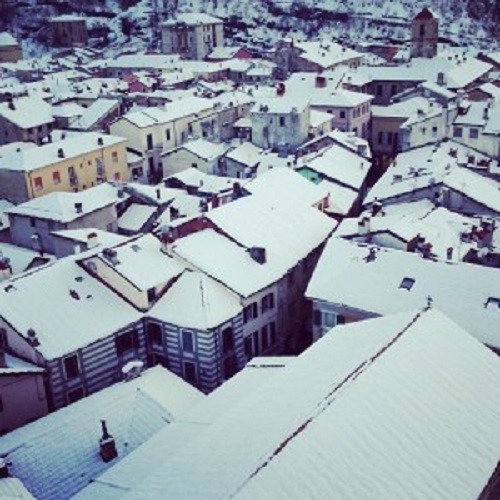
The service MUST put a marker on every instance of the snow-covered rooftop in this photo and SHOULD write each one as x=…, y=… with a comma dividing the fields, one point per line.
x=26, y=305
x=135, y=217
x=283, y=182
x=58, y=455
x=196, y=301
x=345, y=277
x=60, y=206
x=193, y=19
x=204, y=149
x=426, y=167
x=287, y=231
x=326, y=54
x=27, y=112
x=142, y=263
x=343, y=412
x=7, y=40
x=31, y=159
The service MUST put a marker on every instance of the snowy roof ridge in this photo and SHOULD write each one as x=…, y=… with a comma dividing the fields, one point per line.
x=330, y=397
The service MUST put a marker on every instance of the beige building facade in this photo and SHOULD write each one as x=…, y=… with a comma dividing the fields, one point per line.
x=71, y=165
x=193, y=36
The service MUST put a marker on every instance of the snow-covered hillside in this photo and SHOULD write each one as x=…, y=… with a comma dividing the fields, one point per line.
x=128, y=24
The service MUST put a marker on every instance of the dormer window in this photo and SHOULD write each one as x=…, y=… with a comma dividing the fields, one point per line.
x=407, y=283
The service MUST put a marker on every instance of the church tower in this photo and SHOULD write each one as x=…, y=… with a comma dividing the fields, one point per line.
x=424, y=34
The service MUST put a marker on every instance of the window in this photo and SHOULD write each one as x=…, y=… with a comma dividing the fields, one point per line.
x=230, y=366
x=187, y=341
x=151, y=295
x=329, y=319
x=75, y=395
x=317, y=317
x=190, y=372
x=250, y=312
x=267, y=302
x=3, y=338
x=1, y=404
x=149, y=140
x=38, y=183
x=249, y=347
x=227, y=340
x=167, y=134
x=272, y=332
x=190, y=128
x=154, y=334
x=126, y=342
x=457, y=131
x=423, y=130
x=422, y=30
x=389, y=138
x=194, y=165
x=56, y=177
x=114, y=157
x=264, y=339
x=116, y=176
x=407, y=283
x=342, y=114
x=71, y=366
x=394, y=89
x=379, y=90
x=434, y=131
x=473, y=133
x=380, y=137
x=282, y=121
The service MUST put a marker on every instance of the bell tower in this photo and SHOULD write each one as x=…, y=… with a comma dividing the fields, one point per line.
x=424, y=34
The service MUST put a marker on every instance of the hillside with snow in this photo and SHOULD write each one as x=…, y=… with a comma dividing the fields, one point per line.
x=124, y=25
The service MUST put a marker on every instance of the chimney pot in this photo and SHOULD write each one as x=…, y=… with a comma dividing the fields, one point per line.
x=107, y=444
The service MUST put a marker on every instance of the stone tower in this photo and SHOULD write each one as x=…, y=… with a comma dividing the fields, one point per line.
x=424, y=34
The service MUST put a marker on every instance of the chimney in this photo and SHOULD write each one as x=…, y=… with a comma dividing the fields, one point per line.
x=258, y=254
x=364, y=226
x=440, y=79
x=4, y=470
x=320, y=82
x=372, y=255
x=167, y=238
x=376, y=207
x=60, y=153
x=111, y=256
x=92, y=240
x=173, y=212
x=158, y=194
x=280, y=89
x=5, y=268
x=107, y=447
x=449, y=253
x=32, y=338
x=79, y=207
x=100, y=141
x=236, y=191
x=486, y=113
